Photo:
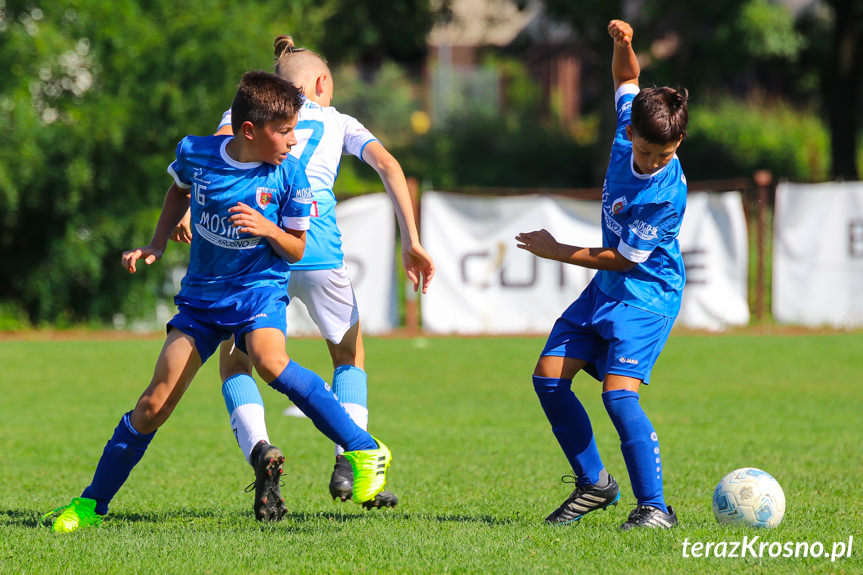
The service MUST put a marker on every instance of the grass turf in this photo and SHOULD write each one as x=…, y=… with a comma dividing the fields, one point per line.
x=475, y=465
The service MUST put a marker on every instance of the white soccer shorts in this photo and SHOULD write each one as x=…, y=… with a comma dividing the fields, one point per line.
x=329, y=298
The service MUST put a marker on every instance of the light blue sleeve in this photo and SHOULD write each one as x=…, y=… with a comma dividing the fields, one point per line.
x=226, y=119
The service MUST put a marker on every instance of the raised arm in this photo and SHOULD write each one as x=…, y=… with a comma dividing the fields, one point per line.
x=418, y=264
x=624, y=64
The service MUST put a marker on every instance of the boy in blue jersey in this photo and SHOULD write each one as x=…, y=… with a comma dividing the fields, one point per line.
x=320, y=280
x=250, y=206
x=617, y=327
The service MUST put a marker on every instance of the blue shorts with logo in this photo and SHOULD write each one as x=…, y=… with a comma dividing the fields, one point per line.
x=611, y=336
x=211, y=322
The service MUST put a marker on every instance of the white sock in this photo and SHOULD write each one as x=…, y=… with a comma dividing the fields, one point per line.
x=360, y=415
x=249, y=427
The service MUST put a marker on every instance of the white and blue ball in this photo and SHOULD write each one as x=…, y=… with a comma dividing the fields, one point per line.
x=749, y=497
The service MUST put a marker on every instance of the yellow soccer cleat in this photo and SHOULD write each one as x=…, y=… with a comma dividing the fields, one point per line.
x=81, y=512
x=370, y=471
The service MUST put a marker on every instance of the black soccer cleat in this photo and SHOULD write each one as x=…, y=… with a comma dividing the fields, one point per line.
x=268, y=462
x=382, y=499
x=650, y=516
x=583, y=500
x=342, y=486
x=342, y=480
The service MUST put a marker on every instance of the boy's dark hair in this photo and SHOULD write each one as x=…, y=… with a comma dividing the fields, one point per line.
x=660, y=115
x=262, y=98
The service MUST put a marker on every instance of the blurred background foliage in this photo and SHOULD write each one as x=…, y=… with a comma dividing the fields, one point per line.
x=97, y=94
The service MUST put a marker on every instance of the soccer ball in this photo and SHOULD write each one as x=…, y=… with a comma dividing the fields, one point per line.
x=749, y=497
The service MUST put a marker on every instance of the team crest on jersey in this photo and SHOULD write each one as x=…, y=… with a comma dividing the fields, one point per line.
x=263, y=197
x=618, y=205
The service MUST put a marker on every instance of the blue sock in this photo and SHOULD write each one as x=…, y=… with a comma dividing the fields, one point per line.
x=350, y=384
x=571, y=426
x=309, y=392
x=122, y=452
x=639, y=445
x=239, y=390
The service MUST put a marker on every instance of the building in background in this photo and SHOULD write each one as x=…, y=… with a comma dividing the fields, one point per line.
x=457, y=77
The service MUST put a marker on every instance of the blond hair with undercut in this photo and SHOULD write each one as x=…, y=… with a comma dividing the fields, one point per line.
x=300, y=66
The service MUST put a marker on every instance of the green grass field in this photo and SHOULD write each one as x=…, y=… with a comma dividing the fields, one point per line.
x=475, y=465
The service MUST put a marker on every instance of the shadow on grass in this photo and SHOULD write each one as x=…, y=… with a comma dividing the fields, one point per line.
x=460, y=518
x=31, y=518
x=293, y=520
x=20, y=517
x=344, y=517
x=298, y=518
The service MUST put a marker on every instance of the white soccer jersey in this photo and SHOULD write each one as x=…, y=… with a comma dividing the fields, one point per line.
x=323, y=135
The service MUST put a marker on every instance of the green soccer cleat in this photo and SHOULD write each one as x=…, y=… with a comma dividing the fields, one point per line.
x=342, y=486
x=81, y=512
x=370, y=471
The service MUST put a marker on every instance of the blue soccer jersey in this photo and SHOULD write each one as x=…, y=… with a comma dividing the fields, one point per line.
x=323, y=135
x=224, y=262
x=641, y=217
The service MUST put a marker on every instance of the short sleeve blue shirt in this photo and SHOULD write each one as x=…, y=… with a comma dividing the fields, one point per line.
x=224, y=262
x=641, y=217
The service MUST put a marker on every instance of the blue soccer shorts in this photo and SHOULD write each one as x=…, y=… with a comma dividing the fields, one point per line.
x=209, y=323
x=611, y=336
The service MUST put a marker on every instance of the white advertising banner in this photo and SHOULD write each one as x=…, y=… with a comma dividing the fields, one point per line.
x=818, y=254
x=368, y=241
x=484, y=284
x=715, y=246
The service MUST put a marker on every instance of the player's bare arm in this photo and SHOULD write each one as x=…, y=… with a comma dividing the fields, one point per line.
x=542, y=244
x=624, y=64
x=183, y=232
x=176, y=204
x=289, y=244
x=418, y=264
x=225, y=131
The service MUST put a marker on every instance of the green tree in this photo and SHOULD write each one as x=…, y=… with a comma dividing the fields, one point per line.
x=369, y=32
x=842, y=88
x=96, y=97
x=740, y=46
